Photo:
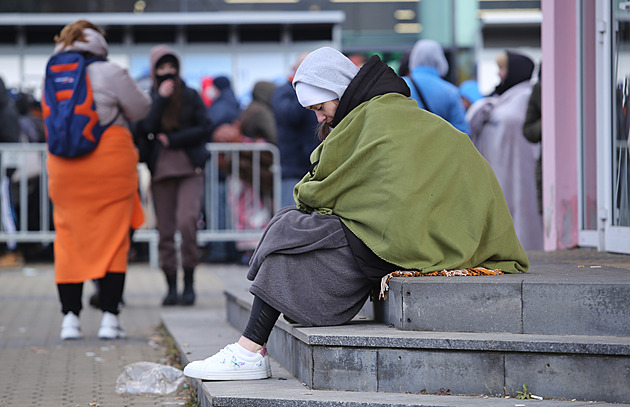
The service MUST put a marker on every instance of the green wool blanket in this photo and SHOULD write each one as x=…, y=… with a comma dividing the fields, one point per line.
x=413, y=188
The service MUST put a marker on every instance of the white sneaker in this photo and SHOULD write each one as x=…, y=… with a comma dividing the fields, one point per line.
x=110, y=327
x=229, y=364
x=70, y=327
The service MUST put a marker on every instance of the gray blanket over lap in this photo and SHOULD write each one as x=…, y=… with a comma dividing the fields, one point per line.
x=303, y=267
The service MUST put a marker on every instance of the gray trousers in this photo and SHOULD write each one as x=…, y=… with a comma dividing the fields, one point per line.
x=177, y=203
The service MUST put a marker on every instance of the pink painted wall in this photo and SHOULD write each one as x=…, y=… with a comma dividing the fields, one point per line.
x=559, y=128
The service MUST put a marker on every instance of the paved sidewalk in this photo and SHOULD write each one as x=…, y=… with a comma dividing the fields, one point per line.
x=37, y=368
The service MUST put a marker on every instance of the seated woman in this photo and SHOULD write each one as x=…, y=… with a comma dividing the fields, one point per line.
x=391, y=187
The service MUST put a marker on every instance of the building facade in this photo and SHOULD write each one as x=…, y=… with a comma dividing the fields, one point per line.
x=245, y=47
x=585, y=46
x=586, y=54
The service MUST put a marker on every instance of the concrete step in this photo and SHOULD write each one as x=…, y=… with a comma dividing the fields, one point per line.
x=369, y=356
x=550, y=299
x=200, y=333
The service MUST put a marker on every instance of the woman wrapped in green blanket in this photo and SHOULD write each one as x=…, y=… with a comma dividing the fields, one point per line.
x=391, y=187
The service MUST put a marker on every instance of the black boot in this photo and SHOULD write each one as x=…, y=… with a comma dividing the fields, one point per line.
x=188, y=296
x=171, y=294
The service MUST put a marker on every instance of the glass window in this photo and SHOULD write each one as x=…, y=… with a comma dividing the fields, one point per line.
x=588, y=97
x=621, y=114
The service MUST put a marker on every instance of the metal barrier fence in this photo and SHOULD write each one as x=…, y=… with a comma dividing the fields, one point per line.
x=241, y=193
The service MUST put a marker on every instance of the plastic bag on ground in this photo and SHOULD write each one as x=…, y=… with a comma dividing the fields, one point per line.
x=149, y=378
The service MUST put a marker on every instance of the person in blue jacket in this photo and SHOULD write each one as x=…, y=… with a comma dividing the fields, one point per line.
x=223, y=111
x=296, y=135
x=225, y=108
x=427, y=66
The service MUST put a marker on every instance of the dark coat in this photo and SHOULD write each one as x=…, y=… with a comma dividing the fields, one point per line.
x=9, y=118
x=257, y=121
x=224, y=109
x=297, y=128
x=192, y=137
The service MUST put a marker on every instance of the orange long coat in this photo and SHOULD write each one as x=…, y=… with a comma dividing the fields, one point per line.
x=95, y=202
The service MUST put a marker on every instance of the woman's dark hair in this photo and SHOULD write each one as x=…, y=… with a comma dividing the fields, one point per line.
x=323, y=130
x=170, y=117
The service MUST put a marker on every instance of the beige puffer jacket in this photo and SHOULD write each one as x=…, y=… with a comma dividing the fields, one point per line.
x=114, y=90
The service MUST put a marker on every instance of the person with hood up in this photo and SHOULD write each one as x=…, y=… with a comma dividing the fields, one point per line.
x=224, y=113
x=496, y=124
x=359, y=217
x=427, y=67
x=257, y=121
x=173, y=137
x=225, y=108
x=95, y=197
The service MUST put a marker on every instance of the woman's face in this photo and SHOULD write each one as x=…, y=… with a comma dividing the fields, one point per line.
x=502, y=63
x=325, y=112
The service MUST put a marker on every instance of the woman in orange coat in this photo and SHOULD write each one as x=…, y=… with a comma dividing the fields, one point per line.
x=95, y=196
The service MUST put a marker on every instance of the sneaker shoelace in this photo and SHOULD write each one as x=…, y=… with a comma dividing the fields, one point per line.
x=228, y=352
x=223, y=353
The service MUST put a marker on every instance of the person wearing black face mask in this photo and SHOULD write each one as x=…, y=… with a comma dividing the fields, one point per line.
x=171, y=140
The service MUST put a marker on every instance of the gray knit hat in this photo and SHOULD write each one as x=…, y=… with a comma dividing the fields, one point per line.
x=323, y=75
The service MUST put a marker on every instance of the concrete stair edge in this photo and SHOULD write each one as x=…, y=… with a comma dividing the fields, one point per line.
x=200, y=333
x=541, y=302
x=374, y=334
x=560, y=370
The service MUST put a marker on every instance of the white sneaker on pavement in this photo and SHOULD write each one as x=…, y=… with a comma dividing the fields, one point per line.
x=110, y=327
x=230, y=364
x=70, y=327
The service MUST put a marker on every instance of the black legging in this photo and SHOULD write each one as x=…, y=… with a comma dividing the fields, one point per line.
x=262, y=318
x=110, y=294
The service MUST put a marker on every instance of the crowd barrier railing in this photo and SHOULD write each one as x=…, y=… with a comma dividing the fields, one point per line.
x=242, y=190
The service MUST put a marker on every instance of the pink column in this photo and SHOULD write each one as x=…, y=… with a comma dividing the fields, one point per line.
x=559, y=123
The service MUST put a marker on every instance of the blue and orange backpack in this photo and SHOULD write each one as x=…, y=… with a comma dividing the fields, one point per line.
x=69, y=112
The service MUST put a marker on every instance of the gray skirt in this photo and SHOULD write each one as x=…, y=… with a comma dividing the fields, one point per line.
x=304, y=268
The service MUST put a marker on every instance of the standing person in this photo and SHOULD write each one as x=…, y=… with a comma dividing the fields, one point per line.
x=225, y=107
x=9, y=133
x=296, y=135
x=30, y=127
x=257, y=121
x=532, y=130
x=224, y=112
x=359, y=217
x=427, y=67
x=497, y=131
x=9, y=117
x=174, y=136
x=31, y=131
x=95, y=196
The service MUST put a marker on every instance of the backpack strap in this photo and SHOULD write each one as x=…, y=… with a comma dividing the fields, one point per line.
x=424, y=102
